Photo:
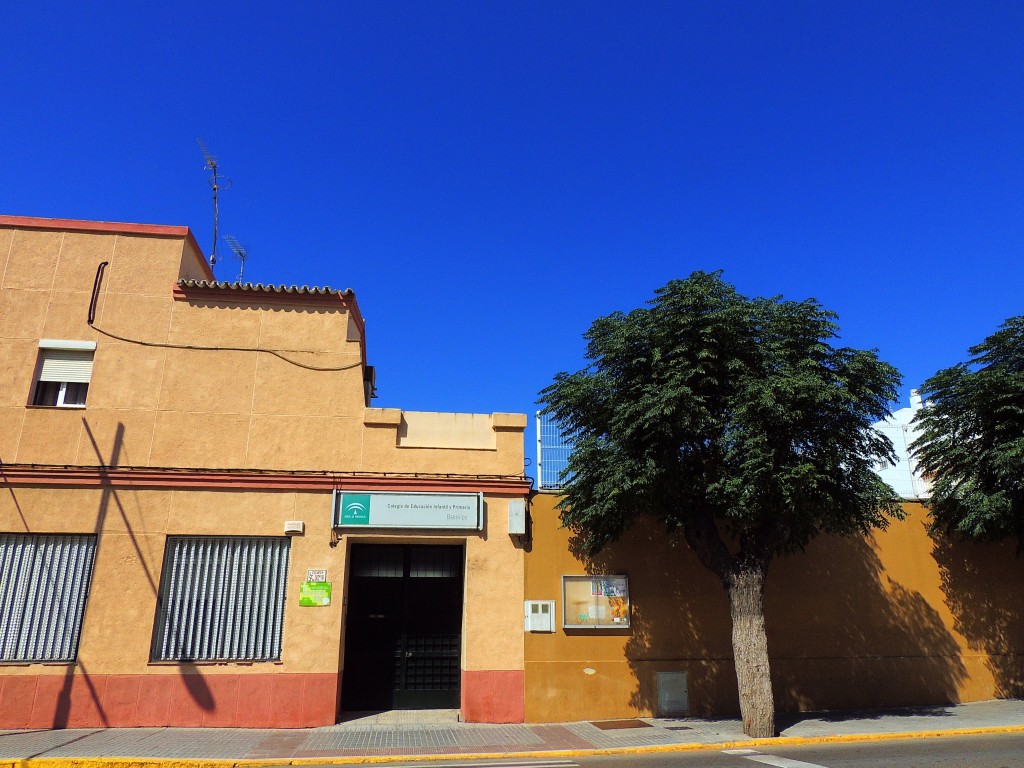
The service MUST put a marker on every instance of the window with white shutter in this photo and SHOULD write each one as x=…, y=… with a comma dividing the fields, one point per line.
x=44, y=581
x=221, y=599
x=65, y=368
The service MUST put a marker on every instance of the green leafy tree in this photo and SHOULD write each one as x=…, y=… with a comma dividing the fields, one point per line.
x=737, y=424
x=972, y=439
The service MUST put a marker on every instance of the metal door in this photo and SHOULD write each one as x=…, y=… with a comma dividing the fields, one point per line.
x=404, y=627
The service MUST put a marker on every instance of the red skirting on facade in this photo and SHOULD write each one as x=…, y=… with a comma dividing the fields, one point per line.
x=494, y=696
x=186, y=700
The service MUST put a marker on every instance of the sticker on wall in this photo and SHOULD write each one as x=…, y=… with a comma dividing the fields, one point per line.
x=315, y=594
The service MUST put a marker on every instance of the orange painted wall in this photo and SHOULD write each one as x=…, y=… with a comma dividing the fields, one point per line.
x=102, y=687
x=254, y=425
x=895, y=619
x=213, y=379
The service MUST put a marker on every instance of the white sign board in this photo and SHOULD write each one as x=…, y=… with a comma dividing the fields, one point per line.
x=359, y=509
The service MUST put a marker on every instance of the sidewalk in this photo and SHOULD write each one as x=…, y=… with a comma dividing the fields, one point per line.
x=398, y=736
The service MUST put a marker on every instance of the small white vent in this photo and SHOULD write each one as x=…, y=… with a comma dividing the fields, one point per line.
x=539, y=616
x=294, y=526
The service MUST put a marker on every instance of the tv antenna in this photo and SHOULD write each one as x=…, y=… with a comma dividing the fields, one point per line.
x=218, y=183
x=240, y=254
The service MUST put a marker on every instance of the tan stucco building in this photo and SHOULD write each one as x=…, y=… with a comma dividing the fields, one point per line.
x=204, y=522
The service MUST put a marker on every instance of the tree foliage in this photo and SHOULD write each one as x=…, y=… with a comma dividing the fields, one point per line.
x=972, y=439
x=736, y=423
x=707, y=405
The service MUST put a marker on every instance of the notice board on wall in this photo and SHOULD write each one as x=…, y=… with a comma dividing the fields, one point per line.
x=595, y=602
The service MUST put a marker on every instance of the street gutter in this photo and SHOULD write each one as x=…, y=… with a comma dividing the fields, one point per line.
x=780, y=741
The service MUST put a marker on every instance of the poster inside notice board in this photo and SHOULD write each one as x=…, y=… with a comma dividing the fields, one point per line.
x=595, y=602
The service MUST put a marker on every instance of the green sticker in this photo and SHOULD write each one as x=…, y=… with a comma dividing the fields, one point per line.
x=314, y=594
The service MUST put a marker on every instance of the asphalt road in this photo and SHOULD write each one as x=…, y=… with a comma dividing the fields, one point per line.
x=995, y=751
x=992, y=751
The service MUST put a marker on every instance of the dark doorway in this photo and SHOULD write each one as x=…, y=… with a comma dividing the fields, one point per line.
x=404, y=627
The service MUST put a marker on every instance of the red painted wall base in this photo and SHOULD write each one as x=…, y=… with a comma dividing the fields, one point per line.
x=194, y=699
x=494, y=696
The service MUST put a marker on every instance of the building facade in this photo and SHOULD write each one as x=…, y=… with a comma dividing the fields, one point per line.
x=204, y=522
x=893, y=619
x=897, y=618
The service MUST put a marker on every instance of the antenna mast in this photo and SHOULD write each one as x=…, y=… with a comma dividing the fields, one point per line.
x=240, y=253
x=217, y=184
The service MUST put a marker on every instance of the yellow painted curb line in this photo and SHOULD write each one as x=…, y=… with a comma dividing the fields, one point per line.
x=780, y=741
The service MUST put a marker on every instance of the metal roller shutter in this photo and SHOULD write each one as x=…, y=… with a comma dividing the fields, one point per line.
x=221, y=599
x=66, y=365
x=44, y=581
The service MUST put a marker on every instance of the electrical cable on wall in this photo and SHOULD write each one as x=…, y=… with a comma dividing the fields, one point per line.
x=166, y=345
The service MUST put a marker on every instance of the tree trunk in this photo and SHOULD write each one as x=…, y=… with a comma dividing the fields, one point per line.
x=750, y=650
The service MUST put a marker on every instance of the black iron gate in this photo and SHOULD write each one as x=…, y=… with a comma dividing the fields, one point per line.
x=404, y=627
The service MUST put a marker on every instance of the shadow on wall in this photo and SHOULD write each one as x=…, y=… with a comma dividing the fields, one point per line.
x=14, y=497
x=844, y=635
x=841, y=633
x=77, y=674
x=245, y=303
x=982, y=583
x=679, y=619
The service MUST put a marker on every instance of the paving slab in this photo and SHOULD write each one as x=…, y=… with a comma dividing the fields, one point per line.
x=438, y=734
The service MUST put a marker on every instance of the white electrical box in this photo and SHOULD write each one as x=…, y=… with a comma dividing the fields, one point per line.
x=294, y=526
x=540, y=616
x=517, y=517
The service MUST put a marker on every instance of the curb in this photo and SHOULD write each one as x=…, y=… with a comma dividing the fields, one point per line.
x=780, y=741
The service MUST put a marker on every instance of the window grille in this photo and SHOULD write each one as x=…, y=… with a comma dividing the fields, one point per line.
x=435, y=562
x=221, y=599
x=44, y=581
x=553, y=449
x=378, y=561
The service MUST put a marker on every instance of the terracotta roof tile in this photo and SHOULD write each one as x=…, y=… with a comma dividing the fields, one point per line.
x=208, y=285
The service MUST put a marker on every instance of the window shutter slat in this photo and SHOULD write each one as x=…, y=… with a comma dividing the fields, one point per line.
x=45, y=582
x=227, y=604
x=66, y=365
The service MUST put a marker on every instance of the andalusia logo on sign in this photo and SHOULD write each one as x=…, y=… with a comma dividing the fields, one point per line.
x=355, y=509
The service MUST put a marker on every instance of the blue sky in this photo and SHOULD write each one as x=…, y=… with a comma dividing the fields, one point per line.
x=490, y=177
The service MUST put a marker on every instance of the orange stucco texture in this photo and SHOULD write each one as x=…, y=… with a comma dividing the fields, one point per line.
x=897, y=618
x=206, y=379
x=216, y=410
